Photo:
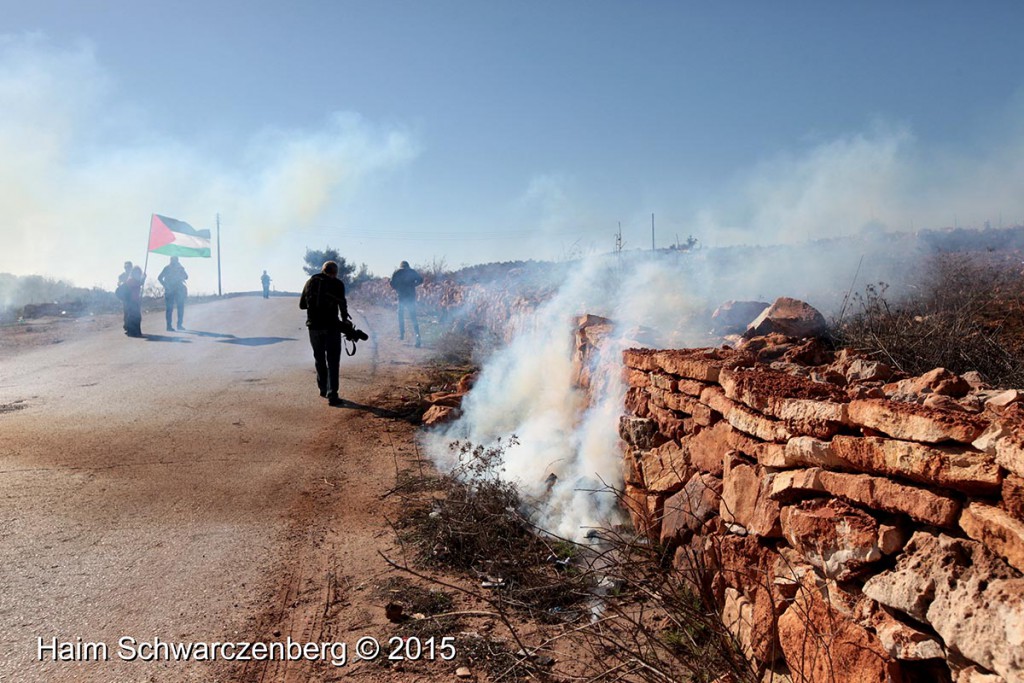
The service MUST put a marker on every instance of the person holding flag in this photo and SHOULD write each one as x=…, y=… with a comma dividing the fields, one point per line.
x=176, y=239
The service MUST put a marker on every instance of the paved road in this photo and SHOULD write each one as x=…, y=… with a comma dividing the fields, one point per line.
x=148, y=487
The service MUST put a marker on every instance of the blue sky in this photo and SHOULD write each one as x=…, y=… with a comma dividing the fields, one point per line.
x=477, y=131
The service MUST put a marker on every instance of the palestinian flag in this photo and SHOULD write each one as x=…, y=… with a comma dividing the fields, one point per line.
x=177, y=238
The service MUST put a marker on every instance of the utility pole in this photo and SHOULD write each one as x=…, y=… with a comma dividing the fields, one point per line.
x=618, y=239
x=219, y=291
x=652, y=232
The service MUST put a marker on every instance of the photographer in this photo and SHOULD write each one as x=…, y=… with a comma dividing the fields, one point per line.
x=323, y=299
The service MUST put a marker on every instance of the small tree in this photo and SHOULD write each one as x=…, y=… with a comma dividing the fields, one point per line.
x=315, y=259
x=362, y=275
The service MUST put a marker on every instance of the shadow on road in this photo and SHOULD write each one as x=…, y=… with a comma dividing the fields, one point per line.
x=164, y=338
x=379, y=412
x=255, y=341
x=200, y=333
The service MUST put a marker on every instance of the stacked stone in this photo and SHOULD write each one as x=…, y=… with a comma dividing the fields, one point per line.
x=851, y=528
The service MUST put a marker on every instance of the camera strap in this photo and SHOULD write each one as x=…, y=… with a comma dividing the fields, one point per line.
x=345, y=342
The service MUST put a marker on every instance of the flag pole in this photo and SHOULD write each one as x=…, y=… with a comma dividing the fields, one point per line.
x=219, y=292
x=149, y=234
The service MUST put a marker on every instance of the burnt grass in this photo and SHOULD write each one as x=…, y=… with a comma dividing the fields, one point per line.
x=472, y=523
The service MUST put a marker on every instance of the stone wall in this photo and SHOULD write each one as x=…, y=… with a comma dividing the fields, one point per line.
x=852, y=525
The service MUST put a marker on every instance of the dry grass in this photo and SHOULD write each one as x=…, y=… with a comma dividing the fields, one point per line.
x=962, y=313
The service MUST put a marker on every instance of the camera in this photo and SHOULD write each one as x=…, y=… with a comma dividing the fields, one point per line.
x=353, y=333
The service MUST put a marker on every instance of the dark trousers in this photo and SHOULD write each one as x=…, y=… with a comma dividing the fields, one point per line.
x=266, y=291
x=408, y=306
x=133, y=318
x=326, y=356
x=125, y=304
x=172, y=300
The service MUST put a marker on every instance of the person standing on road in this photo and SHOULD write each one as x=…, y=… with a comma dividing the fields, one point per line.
x=173, y=277
x=133, y=303
x=404, y=281
x=122, y=290
x=323, y=300
x=265, y=279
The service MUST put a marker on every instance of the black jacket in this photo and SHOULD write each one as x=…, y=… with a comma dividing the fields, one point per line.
x=173, y=277
x=405, y=281
x=323, y=300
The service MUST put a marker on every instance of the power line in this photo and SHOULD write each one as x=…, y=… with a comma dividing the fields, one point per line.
x=440, y=236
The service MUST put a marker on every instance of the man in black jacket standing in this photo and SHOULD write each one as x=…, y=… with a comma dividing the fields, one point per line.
x=323, y=299
x=405, y=281
x=173, y=277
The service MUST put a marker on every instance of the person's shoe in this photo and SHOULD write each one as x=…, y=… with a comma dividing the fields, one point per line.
x=170, y=329
x=323, y=393
x=334, y=400
x=180, y=326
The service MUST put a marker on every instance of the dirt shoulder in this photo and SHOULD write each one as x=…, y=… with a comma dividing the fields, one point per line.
x=194, y=488
x=160, y=488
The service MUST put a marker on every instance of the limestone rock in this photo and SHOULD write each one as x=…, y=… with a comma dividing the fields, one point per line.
x=955, y=467
x=975, y=674
x=807, y=407
x=863, y=370
x=637, y=402
x=665, y=469
x=687, y=510
x=745, y=500
x=639, y=432
x=836, y=538
x=821, y=644
x=1004, y=399
x=707, y=448
x=902, y=641
x=683, y=403
x=806, y=450
x=914, y=423
x=699, y=364
x=738, y=617
x=733, y=317
x=1010, y=453
x=670, y=424
x=639, y=359
x=791, y=317
x=940, y=381
x=993, y=433
x=792, y=484
x=973, y=600
x=879, y=493
x=996, y=530
x=743, y=418
x=1013, y=496
x=636, y=378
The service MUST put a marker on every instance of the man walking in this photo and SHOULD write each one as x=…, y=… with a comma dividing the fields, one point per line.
x=173, y=277
x=265, y=279
x=404, y=281
x=323, y=300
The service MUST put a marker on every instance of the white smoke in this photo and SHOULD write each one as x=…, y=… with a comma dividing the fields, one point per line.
x=528, y=389
x=81, y=170
x=884, y=176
